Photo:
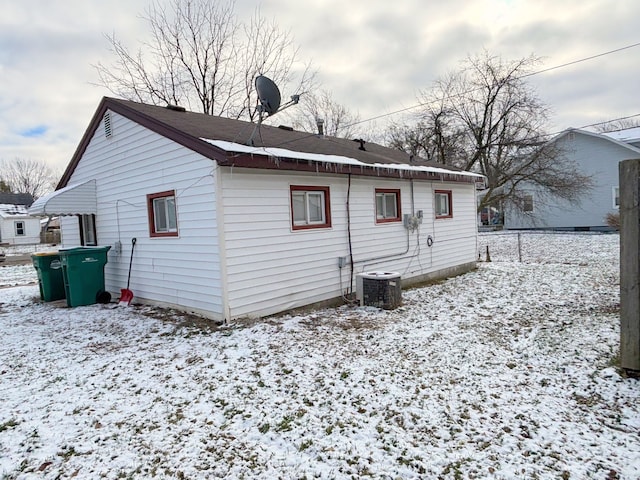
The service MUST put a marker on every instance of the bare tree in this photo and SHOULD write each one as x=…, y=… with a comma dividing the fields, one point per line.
x=414, y=140
x=28, y=176
x=427, y=139
x=201, y=57
x=485, y=118
x=337, y=120
x=616, y=125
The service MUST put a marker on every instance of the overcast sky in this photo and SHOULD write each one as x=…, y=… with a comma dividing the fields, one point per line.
x=372, y=55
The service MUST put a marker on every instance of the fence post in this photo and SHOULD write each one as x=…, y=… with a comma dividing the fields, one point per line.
x=629, y=185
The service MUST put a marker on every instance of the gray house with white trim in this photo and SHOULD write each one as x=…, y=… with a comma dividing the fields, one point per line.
x=598, y=156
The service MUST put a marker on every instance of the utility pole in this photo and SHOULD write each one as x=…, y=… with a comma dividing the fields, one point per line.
x=629, y=185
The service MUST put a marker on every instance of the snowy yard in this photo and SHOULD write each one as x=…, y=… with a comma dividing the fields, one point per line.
x=505, y=372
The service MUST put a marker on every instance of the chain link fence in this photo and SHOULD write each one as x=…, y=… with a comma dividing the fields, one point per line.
x=535, y=246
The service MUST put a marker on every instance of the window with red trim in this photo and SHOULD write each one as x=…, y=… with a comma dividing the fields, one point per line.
x=387, y=205
x=310, y=207
x=163, y=221
x=443, y=204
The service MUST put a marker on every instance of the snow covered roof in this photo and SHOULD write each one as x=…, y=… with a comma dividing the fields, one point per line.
x=335, y=160
x=627, y=135
x=232, y=142
x=8, y=210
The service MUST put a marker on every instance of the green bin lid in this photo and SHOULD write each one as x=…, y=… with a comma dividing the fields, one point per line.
x=75, y=250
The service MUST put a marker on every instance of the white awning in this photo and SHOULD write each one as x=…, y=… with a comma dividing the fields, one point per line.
x=70, y=200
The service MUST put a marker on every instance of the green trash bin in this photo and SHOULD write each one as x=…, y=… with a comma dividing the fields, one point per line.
x=50, y=279
x=83, y=273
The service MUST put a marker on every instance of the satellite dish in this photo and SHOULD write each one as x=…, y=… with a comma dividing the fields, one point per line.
x=268, y=94
x=269, y=101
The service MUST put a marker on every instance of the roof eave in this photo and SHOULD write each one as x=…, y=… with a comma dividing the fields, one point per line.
x=594, y=135
x=161, y=128
x=244, y=160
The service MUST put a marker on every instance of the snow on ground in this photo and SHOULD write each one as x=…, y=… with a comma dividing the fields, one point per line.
x=505, y=372
x=26, y=249
x=12, y=275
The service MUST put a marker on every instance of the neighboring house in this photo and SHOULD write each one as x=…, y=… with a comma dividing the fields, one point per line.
x=16, y=226
x=597, y=155
x=230, y=230
x=630, y=136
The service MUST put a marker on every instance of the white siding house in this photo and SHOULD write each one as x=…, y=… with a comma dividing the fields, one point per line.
x=17, y=227
x=229, y=230
x=598, y=156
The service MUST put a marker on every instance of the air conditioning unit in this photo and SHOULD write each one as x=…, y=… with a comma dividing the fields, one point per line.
x=379, y=289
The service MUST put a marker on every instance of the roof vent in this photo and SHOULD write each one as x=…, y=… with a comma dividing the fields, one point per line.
x=108, y=132
x=362, y=142
x=285, y=127
x=320, y=125
x=176, y=108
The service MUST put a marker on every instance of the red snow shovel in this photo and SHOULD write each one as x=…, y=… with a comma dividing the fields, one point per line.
x=126, y=295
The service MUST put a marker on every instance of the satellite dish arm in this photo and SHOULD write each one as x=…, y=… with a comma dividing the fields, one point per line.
x=294, y=101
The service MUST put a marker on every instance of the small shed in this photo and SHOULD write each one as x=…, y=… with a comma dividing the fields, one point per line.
x=17, y=227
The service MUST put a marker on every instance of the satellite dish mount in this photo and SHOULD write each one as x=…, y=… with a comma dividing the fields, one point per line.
x=269, y=101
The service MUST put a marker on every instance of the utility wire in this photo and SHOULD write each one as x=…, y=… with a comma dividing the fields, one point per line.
x=609, y=121
x=473, y=90
x=580, y=60
x=538, y=72
x=594, y=125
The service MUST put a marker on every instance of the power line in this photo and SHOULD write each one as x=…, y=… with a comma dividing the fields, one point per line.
x=553, y=134
x=516, y=78
x=580, y=60
x=279, y=145
x=609, y=121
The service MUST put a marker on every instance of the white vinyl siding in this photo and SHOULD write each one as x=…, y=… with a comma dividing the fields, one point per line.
x=180, y=271
x=22, y=230
x=70, y=231
x=257, y=263
x=271, y=268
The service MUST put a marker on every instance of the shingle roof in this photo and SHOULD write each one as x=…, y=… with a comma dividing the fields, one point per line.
x=192, y=130
x=16, y=199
